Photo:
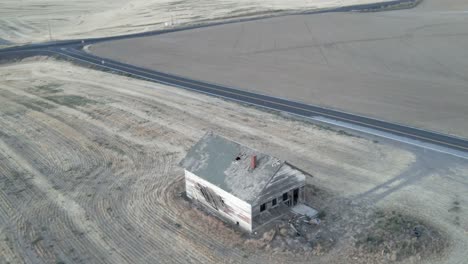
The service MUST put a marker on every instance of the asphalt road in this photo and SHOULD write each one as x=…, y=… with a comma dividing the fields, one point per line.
x=260, y=100
x=72, y=50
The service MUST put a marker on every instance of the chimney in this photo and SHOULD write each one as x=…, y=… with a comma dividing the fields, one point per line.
x=253, y=162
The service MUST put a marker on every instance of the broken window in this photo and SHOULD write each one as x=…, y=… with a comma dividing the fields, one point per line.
x=263, y=207
x=273, y=202
x=285, y=196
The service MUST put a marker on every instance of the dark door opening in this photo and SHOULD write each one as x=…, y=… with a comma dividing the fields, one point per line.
x=295, y=196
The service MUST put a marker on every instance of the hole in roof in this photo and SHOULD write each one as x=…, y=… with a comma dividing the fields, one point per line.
x=237, y=158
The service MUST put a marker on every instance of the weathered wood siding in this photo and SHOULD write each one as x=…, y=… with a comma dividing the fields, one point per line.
x=219, y=201
x=286, y=179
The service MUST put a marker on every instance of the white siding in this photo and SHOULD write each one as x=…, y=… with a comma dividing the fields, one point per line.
x=230, y=208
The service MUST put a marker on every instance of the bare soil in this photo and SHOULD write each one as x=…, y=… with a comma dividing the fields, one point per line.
x=406, y=66
x=88, y=174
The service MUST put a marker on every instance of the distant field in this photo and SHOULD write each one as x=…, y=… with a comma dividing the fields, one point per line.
x=29, y=21
x=406, y=66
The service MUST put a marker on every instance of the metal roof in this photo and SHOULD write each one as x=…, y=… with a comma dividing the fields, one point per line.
x=226, y=164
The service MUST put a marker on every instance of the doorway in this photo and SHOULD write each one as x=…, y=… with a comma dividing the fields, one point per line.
x=295, y=196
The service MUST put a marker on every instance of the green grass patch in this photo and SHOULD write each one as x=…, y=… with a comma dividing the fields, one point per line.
x=36, y=105
x=49, y=88
x=70, y=100
x=403, y=5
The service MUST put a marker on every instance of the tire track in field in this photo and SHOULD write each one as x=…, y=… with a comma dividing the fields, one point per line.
x=127, y=151
x=148, y=165
x=61, y=203
x=122, y=114
x=69, y=222
x=140, y=114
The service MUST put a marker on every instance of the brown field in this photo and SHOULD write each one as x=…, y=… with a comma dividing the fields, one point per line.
x=88, y=174
x=405, y=66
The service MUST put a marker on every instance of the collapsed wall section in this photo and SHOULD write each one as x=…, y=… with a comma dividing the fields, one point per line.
x=220, y=202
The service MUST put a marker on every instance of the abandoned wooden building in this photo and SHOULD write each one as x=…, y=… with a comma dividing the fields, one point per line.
x=239, y=184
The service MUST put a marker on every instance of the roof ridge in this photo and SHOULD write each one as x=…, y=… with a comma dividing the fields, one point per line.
x=271, y=178
x=299, y=169
x=243, y=145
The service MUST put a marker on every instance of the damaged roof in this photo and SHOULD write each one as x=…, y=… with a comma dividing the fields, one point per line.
x=226, y=164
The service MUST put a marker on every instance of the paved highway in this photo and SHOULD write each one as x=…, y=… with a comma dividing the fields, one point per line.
x=73, y=50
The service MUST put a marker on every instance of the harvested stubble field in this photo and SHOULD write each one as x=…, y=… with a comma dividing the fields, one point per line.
x=88, y=173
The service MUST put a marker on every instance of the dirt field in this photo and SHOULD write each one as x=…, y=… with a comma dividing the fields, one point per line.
x=88, y=172
x=27, y=21
x=405, y=66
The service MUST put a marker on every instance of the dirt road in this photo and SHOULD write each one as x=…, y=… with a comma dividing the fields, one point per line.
x=88, y=171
